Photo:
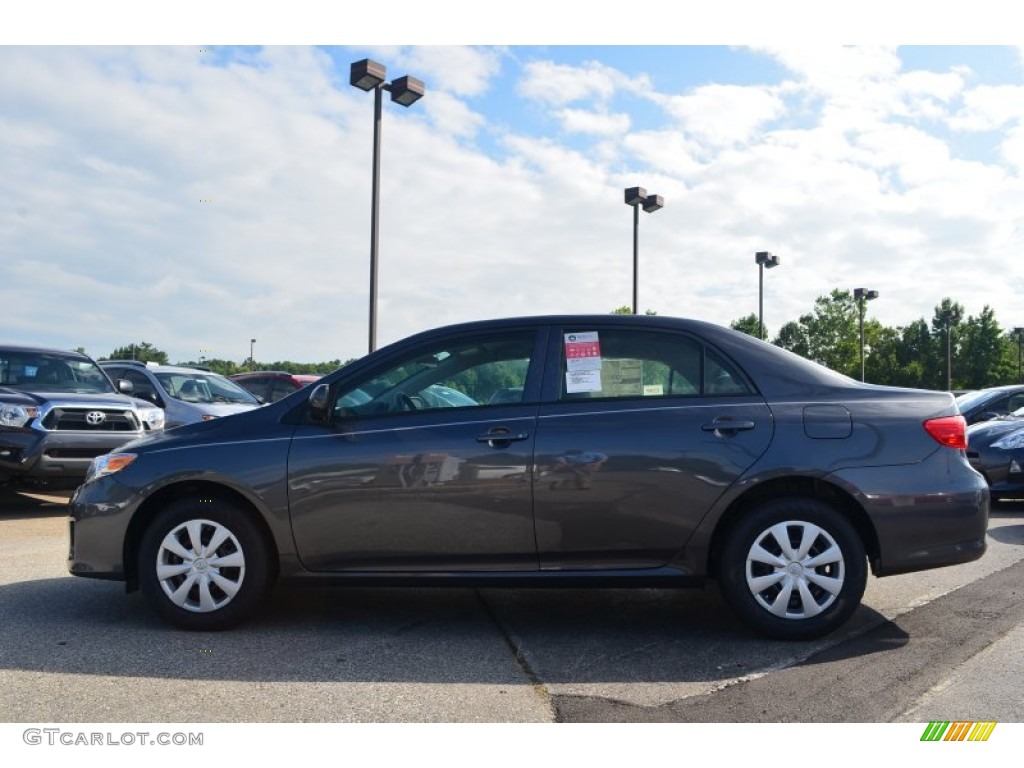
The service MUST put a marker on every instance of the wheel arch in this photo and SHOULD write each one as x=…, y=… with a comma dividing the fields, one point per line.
x=190, y=488
x=795, y=487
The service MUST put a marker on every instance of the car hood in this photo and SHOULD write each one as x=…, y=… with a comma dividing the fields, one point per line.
x=21, y=397
x=225, y=409
x=986, y=432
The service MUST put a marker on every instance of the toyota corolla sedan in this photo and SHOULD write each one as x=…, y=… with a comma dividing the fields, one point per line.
x=622, y=451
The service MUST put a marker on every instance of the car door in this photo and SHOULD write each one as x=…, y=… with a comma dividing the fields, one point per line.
x=415, y=469
x=641, y=432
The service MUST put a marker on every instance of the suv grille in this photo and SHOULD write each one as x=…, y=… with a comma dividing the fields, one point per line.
x=87, y=420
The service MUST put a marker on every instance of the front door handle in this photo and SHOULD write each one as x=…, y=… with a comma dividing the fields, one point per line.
x=724, y=425
x=500, y=437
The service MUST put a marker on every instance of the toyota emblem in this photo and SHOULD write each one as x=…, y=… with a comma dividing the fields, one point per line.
x=95, y=418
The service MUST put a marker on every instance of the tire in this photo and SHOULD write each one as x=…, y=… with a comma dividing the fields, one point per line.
x=793, y=569
x=192, y=587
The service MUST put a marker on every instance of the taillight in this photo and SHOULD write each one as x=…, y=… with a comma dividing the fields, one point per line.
x=950, y=431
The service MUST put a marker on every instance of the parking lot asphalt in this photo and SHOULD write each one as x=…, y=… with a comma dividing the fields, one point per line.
x=941, y=644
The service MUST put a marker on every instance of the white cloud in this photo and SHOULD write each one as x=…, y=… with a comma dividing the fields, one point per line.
x=989, y=108
x=154, y=194
x=719, y=115
x=559, y=84
x=596, y=123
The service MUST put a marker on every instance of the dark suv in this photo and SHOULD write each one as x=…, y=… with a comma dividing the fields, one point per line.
x=58, y=411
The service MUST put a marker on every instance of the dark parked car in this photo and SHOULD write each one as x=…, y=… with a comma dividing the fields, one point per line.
x=996, y=450
x=985, y=404
x=271, y=386
x=623, y=450
x=58, y=411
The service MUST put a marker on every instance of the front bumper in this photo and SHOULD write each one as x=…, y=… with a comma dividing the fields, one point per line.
x=99, y=518
x=36, y=454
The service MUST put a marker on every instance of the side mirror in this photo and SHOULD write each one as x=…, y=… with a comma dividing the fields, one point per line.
x=319, y=400
x=125, y=386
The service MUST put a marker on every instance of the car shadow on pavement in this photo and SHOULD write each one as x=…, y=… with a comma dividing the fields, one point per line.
x=29, y=504
x=322, y=634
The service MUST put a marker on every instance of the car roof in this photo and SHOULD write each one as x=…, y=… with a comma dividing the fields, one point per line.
x=154, y=368
x=33, y=350
x=781, y=373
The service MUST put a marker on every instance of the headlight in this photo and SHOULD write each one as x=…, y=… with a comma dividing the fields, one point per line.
x=108, y=464
x=17, y=415
x=153, y=417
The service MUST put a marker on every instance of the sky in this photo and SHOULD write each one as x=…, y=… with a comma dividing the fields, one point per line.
x=196, y=182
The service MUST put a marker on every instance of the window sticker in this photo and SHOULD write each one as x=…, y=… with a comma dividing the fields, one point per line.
x=582, y=351
x=583, y=381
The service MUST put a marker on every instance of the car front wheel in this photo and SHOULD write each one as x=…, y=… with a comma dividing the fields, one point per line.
x=203, y=565
x=793, y=569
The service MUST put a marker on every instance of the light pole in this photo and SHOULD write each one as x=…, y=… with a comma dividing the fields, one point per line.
x=252, y=362
x=1020, y=339
x=951, y=315
x=638, y=197
x=368, y=75
x=762, y=259
x=863, y=295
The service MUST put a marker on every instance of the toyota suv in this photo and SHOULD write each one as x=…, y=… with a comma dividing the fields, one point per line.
x=58, y=411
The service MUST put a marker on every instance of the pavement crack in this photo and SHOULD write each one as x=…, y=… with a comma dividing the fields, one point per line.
x=519, y=654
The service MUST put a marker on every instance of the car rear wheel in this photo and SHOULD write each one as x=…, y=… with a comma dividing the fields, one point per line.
x=203, y=564
x=793, y=569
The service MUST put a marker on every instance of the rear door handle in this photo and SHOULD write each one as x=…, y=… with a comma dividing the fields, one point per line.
x=727, y=425
x=499, y=437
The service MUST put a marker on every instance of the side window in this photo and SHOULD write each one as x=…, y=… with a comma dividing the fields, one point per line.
x=257, y=385
x=140, y=384
x=721, y=378
x=1002, y=405
x=621, y=363
x=1016, y=401
x=280, y=388
x=462, y=373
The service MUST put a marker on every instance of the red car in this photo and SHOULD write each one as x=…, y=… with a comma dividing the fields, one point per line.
x=271, y=386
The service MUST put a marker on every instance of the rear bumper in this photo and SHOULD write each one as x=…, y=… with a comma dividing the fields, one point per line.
x=924, y=519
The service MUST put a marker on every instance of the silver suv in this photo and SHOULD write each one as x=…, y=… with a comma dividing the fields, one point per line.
x=187, y=395
x=58, y=410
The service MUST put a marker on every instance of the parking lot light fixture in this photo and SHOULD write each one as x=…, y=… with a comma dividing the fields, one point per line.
x=252, y=361
x=638, y=198
x=1020, y=342
x=862, y=296
x=368, y=75
x=951, y=316
x=762, y=259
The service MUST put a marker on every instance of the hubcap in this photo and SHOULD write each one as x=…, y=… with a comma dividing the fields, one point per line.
x=795, y=570
x=200, y=566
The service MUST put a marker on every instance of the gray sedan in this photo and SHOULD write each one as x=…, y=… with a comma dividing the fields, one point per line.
x=623, y=450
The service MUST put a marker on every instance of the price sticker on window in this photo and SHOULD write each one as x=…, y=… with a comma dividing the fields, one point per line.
x=582, y=351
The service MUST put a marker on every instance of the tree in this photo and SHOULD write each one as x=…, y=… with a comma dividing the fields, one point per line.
x=983, y=360
x=747, y=324
x=829, y=335
x=143, y=351
x=624, y=310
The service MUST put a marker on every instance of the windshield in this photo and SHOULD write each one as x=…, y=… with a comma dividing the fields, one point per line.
x=202, y=387
x=51, y=372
